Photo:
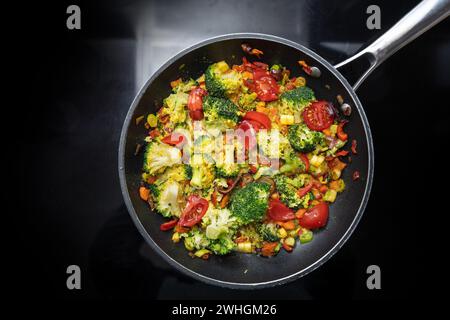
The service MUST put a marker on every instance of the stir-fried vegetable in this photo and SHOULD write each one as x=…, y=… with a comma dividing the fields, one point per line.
x=264, y=192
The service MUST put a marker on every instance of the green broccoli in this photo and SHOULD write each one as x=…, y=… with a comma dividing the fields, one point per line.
x=247, y=101
x=166, y=196
x=268, y=231
x=218, y=222
x=174, y=106
x=303, y=139
x=159, y=156
x=221, y=81
x=227, y=170
x=287, y=188
x=296, y=100
x=222, y=245
x=292, y=163
x=195, y=240
x=185, y=86
x=220, y=113
x=176, y=173
x=202, y=177
x=250, y=203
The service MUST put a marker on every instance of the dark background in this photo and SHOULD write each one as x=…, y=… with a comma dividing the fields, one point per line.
x=74, y=89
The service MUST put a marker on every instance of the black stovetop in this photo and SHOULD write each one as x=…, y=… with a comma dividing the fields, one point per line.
x=79, y=85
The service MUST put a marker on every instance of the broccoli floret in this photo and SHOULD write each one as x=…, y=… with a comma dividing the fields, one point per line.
x=246, y=101
x=287, y=188
x=202, y=175
x=227, y=170
x=220, y=113
x=273, y=144
x=174, y=106
x=219, y=222
x=195, y=239
x=250, y=203
x=166, y=196
x=268, y=232
x=185, y=86
x=221, y=81
x=295, y=100
x=159, y=156
x=222, y=245
x=176, y=173
x=303, y=139
x=292, y=163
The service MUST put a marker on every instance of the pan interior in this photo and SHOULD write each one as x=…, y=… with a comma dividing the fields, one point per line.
x=242, y=270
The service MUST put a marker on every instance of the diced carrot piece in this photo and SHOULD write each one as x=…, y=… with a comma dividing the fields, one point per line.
x=144, y=193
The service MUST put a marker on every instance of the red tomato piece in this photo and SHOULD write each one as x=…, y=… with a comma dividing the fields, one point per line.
x=195, y=103
x=316, y=217
x=174, y=139
x=278, y=211
x=319, y=115
x=194, y=211
x=259, y=117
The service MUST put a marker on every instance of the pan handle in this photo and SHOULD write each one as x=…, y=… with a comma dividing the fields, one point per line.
x=424, y=16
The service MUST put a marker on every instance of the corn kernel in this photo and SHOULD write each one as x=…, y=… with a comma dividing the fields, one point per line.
x=316, y=160
x=286, y=119
x=176, y=237
x=282, y=233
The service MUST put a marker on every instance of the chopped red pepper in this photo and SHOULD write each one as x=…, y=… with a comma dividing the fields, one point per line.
x=168, y=225
x=354, y=144
x=305, y=160
x=340, y=131
x=356, y=175
x=341, y=153
x=303, y=191
x=305, y=67
x=287, y=247
x=154, y=133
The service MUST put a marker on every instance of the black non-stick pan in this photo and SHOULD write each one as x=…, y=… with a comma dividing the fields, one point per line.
x=250, y=271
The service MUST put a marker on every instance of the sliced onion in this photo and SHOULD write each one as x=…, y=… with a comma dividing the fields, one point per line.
x=229, y=188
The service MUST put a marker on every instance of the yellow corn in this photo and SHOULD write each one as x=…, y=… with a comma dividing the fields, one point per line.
x=316, y=160
x=245, y=247
x=286, y=119
x=282, y=233
x=176, y=237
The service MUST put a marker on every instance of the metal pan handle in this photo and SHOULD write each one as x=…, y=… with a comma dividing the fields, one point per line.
x=424, y=16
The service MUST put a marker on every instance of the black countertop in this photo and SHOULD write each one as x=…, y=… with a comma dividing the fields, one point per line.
x=77, y=90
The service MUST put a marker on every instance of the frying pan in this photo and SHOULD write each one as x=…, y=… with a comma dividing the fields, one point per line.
x=238, y=270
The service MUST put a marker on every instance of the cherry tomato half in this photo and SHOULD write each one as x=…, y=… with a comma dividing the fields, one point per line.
x=259, y=117
x=278, y=211
x=194, y=211
x=316, y=217
x=195, y=103
x=319, y=115
x=266, y=86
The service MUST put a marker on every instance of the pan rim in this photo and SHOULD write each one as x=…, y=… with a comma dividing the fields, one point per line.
x=238, y=285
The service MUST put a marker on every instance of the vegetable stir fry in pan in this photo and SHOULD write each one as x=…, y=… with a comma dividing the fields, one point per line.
x=245, y=158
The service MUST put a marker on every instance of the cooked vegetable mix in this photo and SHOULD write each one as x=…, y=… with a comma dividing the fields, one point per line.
x=244, y=159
